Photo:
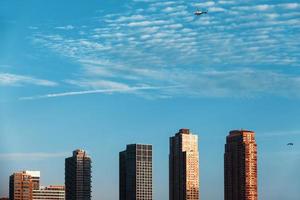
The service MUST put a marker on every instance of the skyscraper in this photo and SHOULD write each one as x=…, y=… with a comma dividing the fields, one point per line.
x=49, y=193
x=184, y=166
x=136, y=172
x=78, y=176
x=22, y=184
x=240, y=163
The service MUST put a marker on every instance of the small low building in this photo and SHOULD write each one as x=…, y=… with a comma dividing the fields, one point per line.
x=49, y=193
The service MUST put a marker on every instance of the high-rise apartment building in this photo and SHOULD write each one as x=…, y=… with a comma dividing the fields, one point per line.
x=240, y=166
x=184, y=166
x=136, y=172
x=78, y=177
x=22, y=184
x=49, y=193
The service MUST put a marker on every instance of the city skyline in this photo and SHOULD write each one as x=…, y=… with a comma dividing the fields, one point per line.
x=37, y=173
x=100, y=74
x=135, y=171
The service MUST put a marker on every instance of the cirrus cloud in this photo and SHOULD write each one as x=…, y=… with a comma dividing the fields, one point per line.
x=8, y=79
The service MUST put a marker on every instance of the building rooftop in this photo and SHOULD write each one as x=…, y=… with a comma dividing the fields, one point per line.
x=239, y=132
x=33, y=173
x=80, y=152
x=52, y=187
x=184, y=131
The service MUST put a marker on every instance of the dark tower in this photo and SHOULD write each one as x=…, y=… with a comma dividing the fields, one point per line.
x=240, y=166
x=78, y=176
x=136, y=172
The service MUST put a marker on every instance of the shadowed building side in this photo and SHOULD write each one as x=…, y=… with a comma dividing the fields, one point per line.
x=240, y=166
x=122, y=175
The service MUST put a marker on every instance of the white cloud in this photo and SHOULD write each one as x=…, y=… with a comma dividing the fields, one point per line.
x=148, y=23
x=146, y=1
x=226, y=2
x=204, y=4
x=173, y=46
x=67, y=27
x=33, y=27
x=101, y=84
x=85, y=92
x=290, y=5
x=272, y=15
x=103, y=71
x=174, y=9
x=32, y=156
x=262, y=7
x=127, y=18
x=174, y=26
x=7, y=79
x=164, y=4
x=93, y=45
x=293, y=133
x=216, y=9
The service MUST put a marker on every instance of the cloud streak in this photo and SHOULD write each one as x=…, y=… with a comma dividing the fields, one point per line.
x=67, y=27
x=8, y=79
x=31, y=156
x=103, y=91
x=294, y=133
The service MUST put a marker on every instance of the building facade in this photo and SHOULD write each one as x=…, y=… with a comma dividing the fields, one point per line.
x=78, y=179
x=135, y=172
x=49, y=193
x=240, y=166
x=22, y=184
x=184, y=166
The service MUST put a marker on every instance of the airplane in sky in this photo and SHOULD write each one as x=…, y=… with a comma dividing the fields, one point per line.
x=199, y=12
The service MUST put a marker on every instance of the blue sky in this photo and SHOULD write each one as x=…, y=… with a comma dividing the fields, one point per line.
x=101, y=74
